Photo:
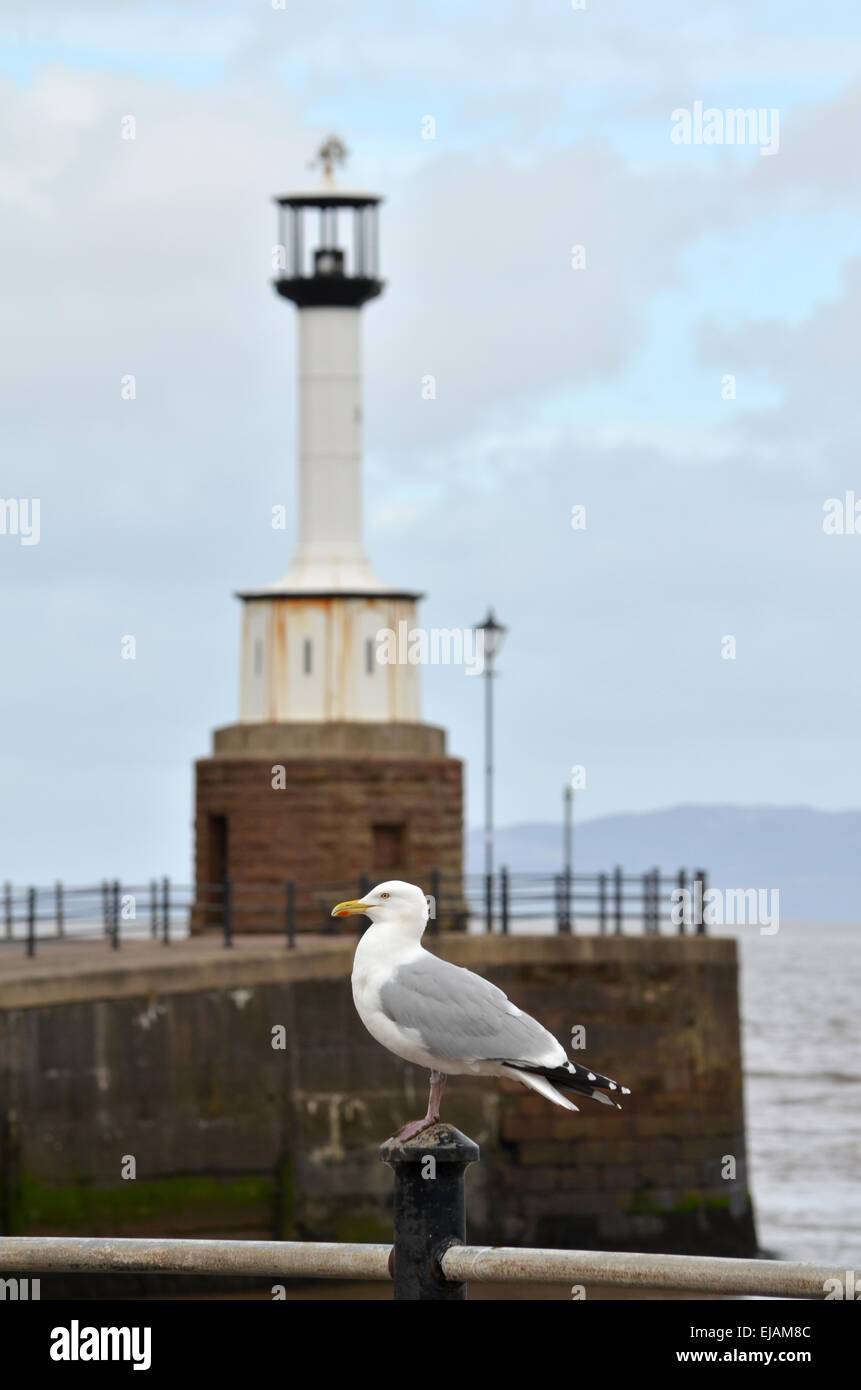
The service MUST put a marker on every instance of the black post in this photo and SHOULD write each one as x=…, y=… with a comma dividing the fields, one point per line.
x=59, y=908
x=429, y=1209
x=565, y=902
x=31, y=921
x=165, y=911
x=682, y=886
x=435, y=894
x=488, y=795
x=153, y=908
x=656, y=901
x=227, y=910
x=7, y=909
x=106, y=906
x=115, y=915
x=291, y=912
x=647, y=916
x=503, y=888
x=700, y=878
x=617, y=895
x=602, y=903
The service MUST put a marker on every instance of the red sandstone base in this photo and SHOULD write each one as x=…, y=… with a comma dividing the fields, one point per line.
x=324, y=822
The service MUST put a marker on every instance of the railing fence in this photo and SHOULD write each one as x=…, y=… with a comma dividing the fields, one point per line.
x=505, y=902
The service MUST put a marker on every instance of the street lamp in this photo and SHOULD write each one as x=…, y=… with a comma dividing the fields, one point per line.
x=567, y=915
x=493, y=636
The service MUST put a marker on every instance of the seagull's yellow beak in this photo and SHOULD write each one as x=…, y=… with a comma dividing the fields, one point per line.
x=351, y=906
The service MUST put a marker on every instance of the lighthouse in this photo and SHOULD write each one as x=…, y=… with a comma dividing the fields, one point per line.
x=309, y=644
x=329, y=775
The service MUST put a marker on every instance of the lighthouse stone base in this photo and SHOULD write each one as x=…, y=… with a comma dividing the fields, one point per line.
x=323, y=804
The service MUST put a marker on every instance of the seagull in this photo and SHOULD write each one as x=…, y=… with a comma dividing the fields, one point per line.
x=446, y=1018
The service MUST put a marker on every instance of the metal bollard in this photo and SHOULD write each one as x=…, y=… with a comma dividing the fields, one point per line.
x=429, y=1209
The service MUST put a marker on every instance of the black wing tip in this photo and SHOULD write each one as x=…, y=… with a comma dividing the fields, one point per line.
x=571, y=1076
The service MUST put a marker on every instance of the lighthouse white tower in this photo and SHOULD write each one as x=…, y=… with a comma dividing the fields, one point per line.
x=330, y=774
x=309, y=641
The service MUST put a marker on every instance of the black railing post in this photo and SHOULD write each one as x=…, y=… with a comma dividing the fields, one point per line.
x=488, y=902
x=153, y=908
x=435, y=895
x=647, y=923
x=227, y=910
x=617, y=900
x=291, y=913
x=429, y=1209
x=700, y=882
x=31, y=921
x=565, y=902
x=656, y=901
x=59, y=908
x=504, y=907
x=165, y=911
x=115, y=915
x=7, y=909
x=681, y=885
x=602, y=904
x=106, y=906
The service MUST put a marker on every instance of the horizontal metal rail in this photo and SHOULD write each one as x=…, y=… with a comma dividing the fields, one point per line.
x=131, y=1255
x=462, y=1263
x=701, y=1274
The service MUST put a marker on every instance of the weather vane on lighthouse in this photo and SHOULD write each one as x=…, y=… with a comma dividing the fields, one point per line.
x=332, y=151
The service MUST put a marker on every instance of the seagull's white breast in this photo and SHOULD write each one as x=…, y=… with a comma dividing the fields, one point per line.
x=380, y=952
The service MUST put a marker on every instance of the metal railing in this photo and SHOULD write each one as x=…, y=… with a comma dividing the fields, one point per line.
x=505, y=902
x=458, y=1264
x=429, y=1259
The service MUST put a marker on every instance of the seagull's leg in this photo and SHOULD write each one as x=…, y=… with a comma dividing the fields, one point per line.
x=437, y=1086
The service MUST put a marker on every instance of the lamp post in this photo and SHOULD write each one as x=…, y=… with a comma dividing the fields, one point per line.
x=568, y=859
x=494, y=636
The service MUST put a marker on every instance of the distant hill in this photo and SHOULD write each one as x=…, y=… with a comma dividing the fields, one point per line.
x=812, y=857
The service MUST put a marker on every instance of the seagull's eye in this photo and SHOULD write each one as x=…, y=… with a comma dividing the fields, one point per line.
x=385, y=895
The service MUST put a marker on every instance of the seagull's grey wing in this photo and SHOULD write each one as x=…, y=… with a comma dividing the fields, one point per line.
x=461, y=1017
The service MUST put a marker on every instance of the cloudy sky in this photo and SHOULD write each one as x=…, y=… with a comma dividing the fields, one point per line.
x=606, y=386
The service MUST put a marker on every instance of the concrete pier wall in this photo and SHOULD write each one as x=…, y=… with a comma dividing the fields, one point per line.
x=165, y=1056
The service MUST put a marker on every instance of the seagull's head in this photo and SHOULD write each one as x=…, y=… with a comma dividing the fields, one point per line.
x=390, y=904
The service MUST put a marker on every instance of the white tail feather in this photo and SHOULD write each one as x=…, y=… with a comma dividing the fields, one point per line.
x=542, y=1085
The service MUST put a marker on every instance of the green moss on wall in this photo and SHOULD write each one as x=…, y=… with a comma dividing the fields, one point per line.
x=80, y=1208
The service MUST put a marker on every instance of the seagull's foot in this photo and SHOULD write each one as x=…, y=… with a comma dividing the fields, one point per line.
x=415, y=1127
